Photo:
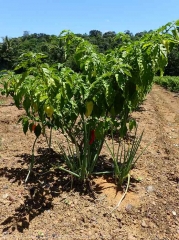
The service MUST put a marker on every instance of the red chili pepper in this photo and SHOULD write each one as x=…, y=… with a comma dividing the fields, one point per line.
x=33, y=127
x=92, y=137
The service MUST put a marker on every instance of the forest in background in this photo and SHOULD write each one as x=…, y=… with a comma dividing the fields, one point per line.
x=53, y=47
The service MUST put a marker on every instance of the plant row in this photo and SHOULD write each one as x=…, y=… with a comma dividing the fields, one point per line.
x=168, y=82
x=91, y=102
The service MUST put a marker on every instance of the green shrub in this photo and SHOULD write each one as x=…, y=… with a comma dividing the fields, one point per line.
x=169, y=82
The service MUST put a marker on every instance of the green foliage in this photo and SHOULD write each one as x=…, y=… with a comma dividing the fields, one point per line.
x=172, y=68
x=82, y=161
x=56, y=96
x=53, y=47
x=125, y=157
x=168, y=82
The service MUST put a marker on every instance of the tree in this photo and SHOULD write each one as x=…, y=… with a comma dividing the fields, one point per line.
x=6, y=53
x=109, y=34
x=95, y=33
x=26, y=33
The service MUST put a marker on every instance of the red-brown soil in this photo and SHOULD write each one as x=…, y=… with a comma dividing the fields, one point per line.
x=47, y=208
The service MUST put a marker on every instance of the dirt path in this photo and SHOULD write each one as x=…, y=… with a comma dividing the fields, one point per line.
x=47, y=209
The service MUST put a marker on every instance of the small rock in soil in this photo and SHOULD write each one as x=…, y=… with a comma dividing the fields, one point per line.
x=143, y=224
x=174, y=213
x=150, y=189
x=12, y=180
x=119, y=216
x=6, y=195
x=129, y=208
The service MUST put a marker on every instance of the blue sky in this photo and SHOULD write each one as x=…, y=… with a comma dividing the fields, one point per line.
x=81, y=16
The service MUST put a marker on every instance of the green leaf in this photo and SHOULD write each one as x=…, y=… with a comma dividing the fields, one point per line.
x=119, y=102
x=123, y=130
x=132, y=124
x=26, y=104
x=112, y=112
x=25, y=124
x=99, y=131
x=121, y=80
x=177, y=22
x=176, y=33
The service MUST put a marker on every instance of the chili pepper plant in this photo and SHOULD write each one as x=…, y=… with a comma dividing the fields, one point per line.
x=85, y=105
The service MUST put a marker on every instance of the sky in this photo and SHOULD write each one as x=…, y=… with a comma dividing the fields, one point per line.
x=81, y=16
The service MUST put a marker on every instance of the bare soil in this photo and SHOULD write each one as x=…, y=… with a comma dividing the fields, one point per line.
x=47, y=208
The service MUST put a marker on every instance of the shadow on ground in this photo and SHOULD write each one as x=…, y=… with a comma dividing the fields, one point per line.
x=44, y=184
